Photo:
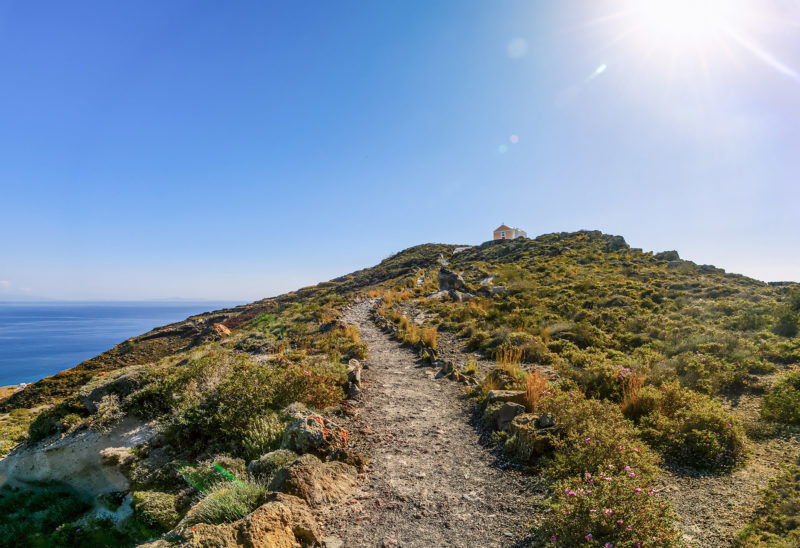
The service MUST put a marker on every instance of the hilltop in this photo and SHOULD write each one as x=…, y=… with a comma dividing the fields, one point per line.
x=579, y=357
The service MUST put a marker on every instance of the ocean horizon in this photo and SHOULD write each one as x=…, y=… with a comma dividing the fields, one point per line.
x=40, y=338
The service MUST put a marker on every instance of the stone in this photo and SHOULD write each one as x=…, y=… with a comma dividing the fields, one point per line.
x=506, y=414
x=461, y=296
x=616, y=243
x=353, y=391
x=546, y=420
x=332, y=542
x=304, y=525
x=349, y=456
x=450, y=281
x=498, y=290
x=668, y=256
x=530, y=438
x=269, y=463
x=516, y=396
x=221, y=329
x=304, y=431
x=439, y=295
x=316, y=482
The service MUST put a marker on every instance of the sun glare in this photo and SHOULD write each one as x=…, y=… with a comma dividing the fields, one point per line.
x=677, y=37
x=681, y=25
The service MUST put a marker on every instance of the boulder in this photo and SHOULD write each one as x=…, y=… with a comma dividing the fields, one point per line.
x=507, y=413
x=498, y=290
x=265, y=466
x=502, y=396
x=461, y=296
x=439, y=295
x=305, y=528
x=450, y=281
x=304, y=431
x=316, y=482
x=616, y=243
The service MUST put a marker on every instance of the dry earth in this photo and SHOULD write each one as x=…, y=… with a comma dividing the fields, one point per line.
x=429, y=482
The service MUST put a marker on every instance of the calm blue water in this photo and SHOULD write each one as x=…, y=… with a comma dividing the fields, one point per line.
x=40, y=339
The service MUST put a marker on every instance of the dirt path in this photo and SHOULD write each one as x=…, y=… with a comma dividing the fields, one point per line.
x=429, y=482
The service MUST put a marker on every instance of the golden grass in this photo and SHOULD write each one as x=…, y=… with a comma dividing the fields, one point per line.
x=535, y=386
x=351, y=331
x=430, y=337
x=631, y=391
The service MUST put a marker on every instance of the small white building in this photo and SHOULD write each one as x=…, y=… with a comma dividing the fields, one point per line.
x=504, y=232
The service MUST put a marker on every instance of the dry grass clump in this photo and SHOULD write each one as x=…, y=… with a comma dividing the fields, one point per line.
x=351, y=331
x=535, y=386
x=430, y=337
x=631, y=391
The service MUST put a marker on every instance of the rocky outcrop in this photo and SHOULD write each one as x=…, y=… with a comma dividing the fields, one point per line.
x=269, y=526
x=507, y=413
x=450, y=281
x=87, y=461
x=316, y=482
x=305, y=431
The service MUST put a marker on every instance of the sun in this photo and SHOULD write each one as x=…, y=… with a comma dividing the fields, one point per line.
x=680, y=26
x=683, y=36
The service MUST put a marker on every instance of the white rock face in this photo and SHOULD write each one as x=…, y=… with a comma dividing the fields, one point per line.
x=75, y=460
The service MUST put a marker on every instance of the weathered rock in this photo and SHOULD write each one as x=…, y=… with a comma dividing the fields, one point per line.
x=461, y=296
x=546, y=420
x=304, y=431
x=450, y=281
x=499, y=290
x=506, y=414
x=354, y=372
x=221, y=329
x=353, y=390
x=445, y=370
x=332, y=542
x=516, y=396
x=616, y=243
x=269, y=463
x=314, y=481
x=348, y=456
x=304, y=526
x=529, y=438
x=439, y=295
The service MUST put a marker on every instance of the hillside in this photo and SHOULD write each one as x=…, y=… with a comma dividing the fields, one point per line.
x=582, y=358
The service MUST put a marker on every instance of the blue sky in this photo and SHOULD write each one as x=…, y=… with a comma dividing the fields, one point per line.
x=195, y=149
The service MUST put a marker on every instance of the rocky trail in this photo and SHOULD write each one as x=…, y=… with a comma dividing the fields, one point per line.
x=429, y=481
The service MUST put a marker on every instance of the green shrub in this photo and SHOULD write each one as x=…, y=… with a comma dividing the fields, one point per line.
x=782, y=403
x=227, y=501
x=262, y=436
x=60, y=418
x=109, y=412
x=690, y=428
x=155, y=510
x=777, y=520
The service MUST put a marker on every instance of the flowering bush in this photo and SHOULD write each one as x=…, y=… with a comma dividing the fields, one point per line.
x=622, y=512
x=782, y=403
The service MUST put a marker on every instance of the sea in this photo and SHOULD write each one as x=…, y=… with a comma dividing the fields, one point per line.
x=39, y=339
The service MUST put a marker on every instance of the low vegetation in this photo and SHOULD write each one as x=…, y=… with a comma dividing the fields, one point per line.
x=777, y=520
